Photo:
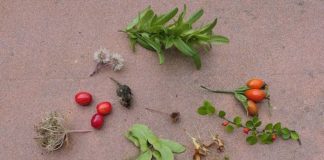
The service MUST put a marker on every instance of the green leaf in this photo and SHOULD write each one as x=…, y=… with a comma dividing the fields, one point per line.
x=255, y=120
x=285, y=133
x=166, y=153
x=174, y=146
x=145, y=156
x=218, y=39
x=133, y=139
x=209, y=27
x=257, y=124
x=194, y=17
x=242, y=89
x=206, y=109
x=237, y=120
x=221, y=114
x=184, y=48
x=161, y=20
x=197, y=61
x=277, y=127
x=266, y=138
x=241, y=98
x=135, y=21
x=157, y=155
x=294, y=135
x=252, y=139
x=269, y=127
x=229, y=128
x=249, y=124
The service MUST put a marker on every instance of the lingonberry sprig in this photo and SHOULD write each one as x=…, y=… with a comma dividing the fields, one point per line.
x=255, y=90
x=251, y=127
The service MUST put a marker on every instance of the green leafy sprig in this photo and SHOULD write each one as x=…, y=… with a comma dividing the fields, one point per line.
x=156, y=32
x=266, y=136
x=152, y=147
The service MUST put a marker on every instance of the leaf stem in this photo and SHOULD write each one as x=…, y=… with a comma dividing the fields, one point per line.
x=217, y=91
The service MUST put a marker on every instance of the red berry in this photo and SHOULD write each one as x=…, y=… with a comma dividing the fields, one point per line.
x=97, y=121
x=274, y=137
x=246, y=130
x=83, y=98
x=225, y=123
x=104, y=108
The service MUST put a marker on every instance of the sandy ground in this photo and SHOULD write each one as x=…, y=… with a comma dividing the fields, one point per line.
x=46, y=55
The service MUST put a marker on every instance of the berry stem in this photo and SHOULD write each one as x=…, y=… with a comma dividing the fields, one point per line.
x=242, y=125
x=153, y=110
x=217, y=91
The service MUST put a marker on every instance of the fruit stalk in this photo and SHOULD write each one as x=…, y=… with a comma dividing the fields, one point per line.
x=218, y=91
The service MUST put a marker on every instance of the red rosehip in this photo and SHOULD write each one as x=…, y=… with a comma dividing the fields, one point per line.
x=274, y=137
x=83, y=98
x=104, y=108
x=97, y=121
x=225, y=123
x=246, y=130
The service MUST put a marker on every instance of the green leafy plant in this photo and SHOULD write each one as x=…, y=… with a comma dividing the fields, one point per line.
x=156, y=32
x=251, y=127
x=152, y=147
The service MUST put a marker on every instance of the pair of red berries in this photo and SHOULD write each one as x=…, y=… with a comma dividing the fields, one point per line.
x=103, y=108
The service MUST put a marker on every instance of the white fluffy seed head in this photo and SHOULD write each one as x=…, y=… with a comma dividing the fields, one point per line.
x=116, y=61
x=101, y=56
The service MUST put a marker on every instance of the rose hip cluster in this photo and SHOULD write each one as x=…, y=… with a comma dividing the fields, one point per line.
x=257, y=92
x=103, y=108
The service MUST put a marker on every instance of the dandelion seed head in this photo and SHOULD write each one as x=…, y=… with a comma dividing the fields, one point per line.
x=101, y=56
x=116, y=61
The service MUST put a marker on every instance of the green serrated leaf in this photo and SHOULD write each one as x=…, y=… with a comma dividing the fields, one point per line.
x=206, y=109
x=285, y=133
x=257, y=124
x=294, y=135
x=249, y=124
x=277, y=127
x=229, y=128
x=269, y=127
x=266, y=138
x=237, y=120
x=221, y=114
x=145, y=156
x=174, y=146
x=252, y=139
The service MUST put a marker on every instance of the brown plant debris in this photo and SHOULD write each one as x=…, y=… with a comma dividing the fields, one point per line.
x=52, y=133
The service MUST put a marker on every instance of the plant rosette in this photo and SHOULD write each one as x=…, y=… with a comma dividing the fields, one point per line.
x=251, y=127
x=255, y=90
x=151, y=146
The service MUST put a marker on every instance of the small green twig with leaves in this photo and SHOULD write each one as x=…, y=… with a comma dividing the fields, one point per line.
x=251, y=127
x=161, y=32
